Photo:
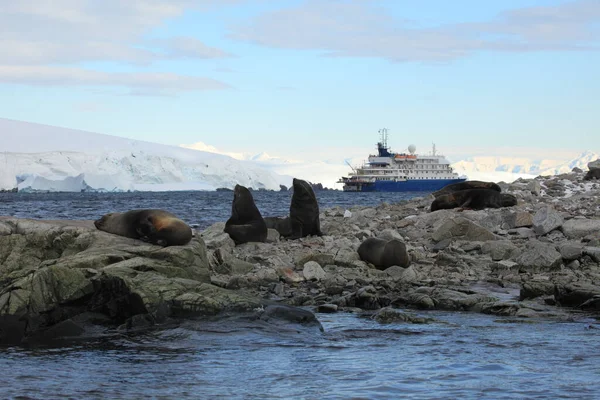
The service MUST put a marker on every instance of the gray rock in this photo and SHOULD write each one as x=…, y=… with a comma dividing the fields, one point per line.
x=519, y=219
x=593, y=252
x=594, y=164
x=388, y=315
x=499, y=249
x=462, y=228
x=534, y=187
x=389, y=234
x=570, y=251
x=579, y=228
x=538, y=256
x=313, y=271
x=214, y=237
x=546, y=219
x=272, y=236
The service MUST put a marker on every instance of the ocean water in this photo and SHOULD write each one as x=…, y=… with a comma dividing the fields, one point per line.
x=459, y=356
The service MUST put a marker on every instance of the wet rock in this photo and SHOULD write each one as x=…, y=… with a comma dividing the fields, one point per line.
x=546, y=219
x=327, y=308
x=388, y=315
x=575, y=294
x=533, y=289
x=283, y=315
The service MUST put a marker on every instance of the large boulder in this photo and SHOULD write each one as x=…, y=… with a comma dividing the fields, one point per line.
x=546, y=219
x=538, y=256
x=579, y=228
x=54, y=271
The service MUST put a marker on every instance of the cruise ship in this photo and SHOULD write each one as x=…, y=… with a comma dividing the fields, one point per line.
x=400, y=172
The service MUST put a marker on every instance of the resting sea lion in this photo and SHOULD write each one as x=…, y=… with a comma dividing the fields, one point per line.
x=246, y=224
x=151, y=225
x=280, y=224
x=592, y=174
x=384, y=253
x=476, y=199
x=455, y=187
x=304, y=211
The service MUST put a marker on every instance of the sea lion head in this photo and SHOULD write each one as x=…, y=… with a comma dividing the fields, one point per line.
x=508, y=200
x=303, y=190
x=108, y=222
x=444, y=201
x=243, y=207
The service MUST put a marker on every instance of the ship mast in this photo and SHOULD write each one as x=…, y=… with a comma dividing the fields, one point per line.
x=383, y=136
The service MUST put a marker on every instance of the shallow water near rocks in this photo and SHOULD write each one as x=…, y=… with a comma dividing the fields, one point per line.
x=461, y=355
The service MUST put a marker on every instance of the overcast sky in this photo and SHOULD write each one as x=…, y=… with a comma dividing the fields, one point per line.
x=315, y=78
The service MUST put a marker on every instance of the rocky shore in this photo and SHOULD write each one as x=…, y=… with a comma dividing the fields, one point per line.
x=540, y=258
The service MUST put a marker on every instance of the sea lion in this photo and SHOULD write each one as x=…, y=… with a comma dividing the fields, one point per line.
x=592, y=174
x=150, y=225
x=384, y=253
x=304, y=211
x=246, y=224
x=476, y=199
x=455, y=187
x=280, y=224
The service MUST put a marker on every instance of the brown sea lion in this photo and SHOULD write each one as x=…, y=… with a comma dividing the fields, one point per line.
x=280, y=224
x=592, y=174
x=455, y=187
x=246, y=224
x=150, y=225
x=304, y=211
x=384, y=253
x=476, y=199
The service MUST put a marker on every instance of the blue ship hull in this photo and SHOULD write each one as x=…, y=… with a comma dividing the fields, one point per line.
x=421, y=185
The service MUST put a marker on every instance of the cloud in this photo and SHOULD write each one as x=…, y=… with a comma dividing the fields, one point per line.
x=144, y=81
x=37, y=33
x=358, y=28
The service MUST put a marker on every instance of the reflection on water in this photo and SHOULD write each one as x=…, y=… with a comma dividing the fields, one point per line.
x=462, y=355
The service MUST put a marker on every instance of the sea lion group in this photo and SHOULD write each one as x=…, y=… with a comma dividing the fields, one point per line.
x=475, y=195
x=246, y=223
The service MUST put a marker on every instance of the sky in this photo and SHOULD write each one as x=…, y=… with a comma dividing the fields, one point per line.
x=310, y=79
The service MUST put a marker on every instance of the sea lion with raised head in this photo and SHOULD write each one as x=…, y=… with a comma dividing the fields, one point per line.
x=476, y=199
x=150, y=225
x=384, y=253
x=304, y=211
x=246, y=224
x=455, y=187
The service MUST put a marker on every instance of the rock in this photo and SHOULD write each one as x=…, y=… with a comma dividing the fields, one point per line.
x=570, y=251
x=272, y=236
x=234, y=266
x=347, y=214
x=214, y=237
x=533, y=289
x=534, y=187
x=313, y=271
x=539, y=256
x=594, y=164
x=327, y=308
x=289, y=275
x=283, y=315
x=398, y=273
x=546, y=219
x=389, y=234
x=593, y=252
x=579, y=228
x=500, y=249
x=462, y=228
x=54, y=271
x=389, y=315
x=575, y=294
x=519, y=219
x=319, y=258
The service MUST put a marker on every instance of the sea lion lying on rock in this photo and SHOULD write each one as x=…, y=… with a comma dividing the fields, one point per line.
x=455, y=187
x=150, y=225
x=246, y=224
x=476, y=199
x=384, y=253
x=304, y=211
x=280, y=224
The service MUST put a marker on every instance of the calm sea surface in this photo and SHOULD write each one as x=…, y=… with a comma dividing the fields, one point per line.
x=461, y=356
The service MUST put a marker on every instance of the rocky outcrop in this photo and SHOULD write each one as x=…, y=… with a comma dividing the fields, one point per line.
x=538, y=258
x=68, y=272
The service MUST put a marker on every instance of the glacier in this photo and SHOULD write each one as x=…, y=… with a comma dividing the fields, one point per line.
x=38, y=157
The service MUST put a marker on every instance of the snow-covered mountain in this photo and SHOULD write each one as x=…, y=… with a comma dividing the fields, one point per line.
x=511, y=168
x=42, y=157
